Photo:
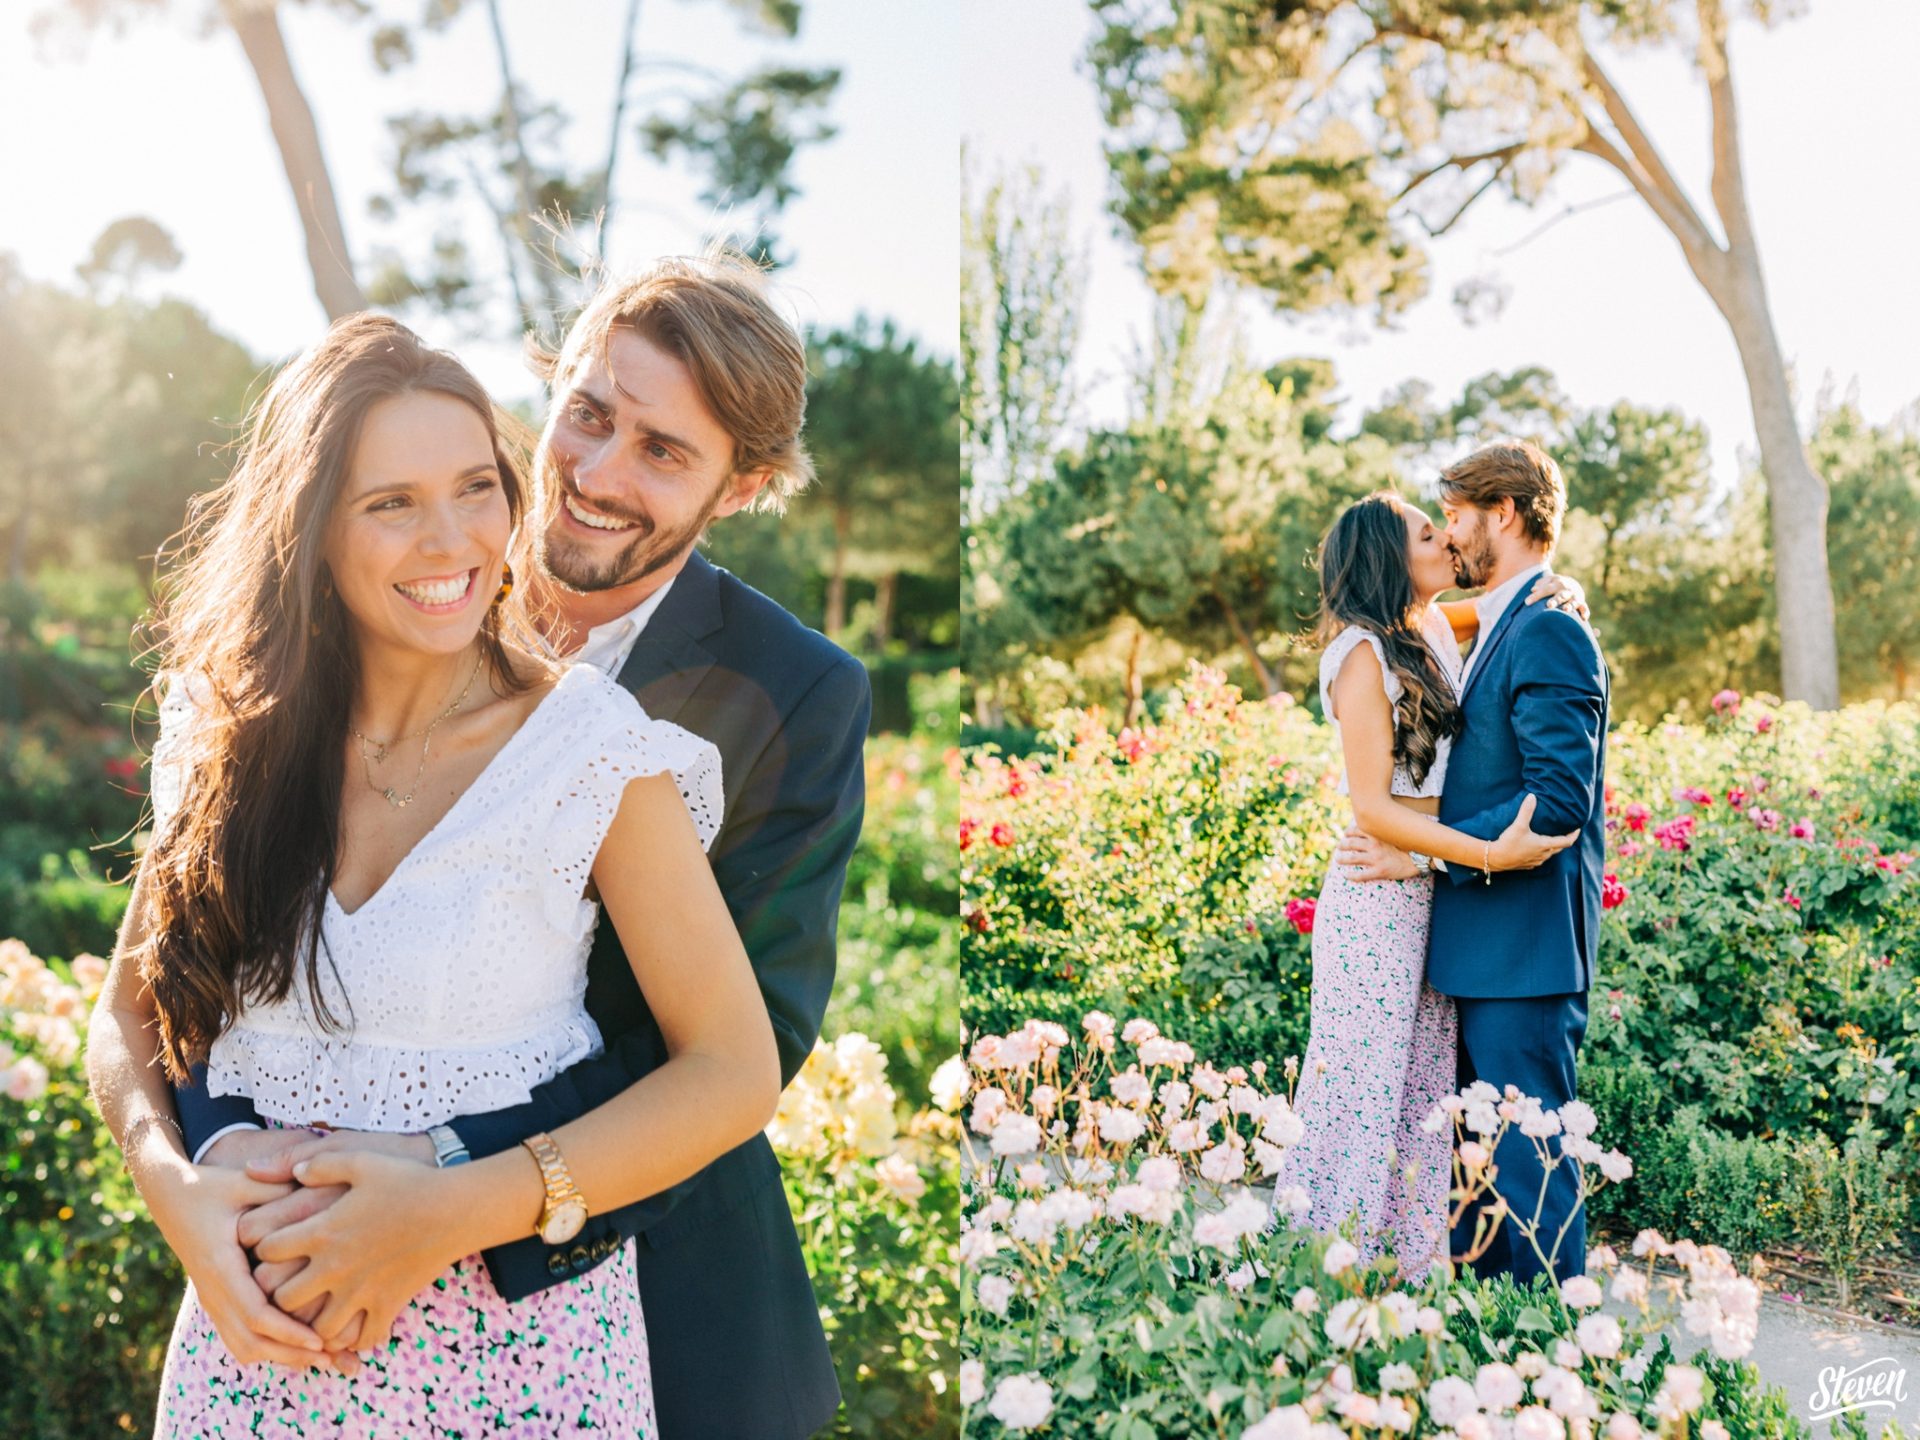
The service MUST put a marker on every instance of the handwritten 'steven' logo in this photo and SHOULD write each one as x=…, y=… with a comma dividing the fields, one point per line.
x=1875, y=1383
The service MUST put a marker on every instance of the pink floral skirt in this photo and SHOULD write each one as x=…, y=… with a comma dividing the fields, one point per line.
x=568, y=1360
x=1380, y=1056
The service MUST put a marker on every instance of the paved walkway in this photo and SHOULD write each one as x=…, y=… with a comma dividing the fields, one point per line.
x=1796, y=1345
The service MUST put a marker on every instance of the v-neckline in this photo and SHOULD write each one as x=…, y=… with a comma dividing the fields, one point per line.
x=453, y=809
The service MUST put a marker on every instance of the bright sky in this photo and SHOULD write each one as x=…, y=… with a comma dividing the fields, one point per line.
x=1829, y=114
x=163, y=123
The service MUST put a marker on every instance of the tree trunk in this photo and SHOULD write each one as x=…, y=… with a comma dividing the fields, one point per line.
x=257, y=24
x=1132, y=712
x=1797, y=498
x=525, y=218
x=883, y=598
x=837, y=572
x=1268, y=685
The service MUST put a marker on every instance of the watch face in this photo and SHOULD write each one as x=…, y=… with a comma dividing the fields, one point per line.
x=564, y=1223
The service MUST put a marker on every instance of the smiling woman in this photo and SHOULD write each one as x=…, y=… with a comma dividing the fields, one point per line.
x=329, y=604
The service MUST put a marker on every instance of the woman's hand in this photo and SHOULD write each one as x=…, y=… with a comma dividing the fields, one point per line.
x=365, y=1254
x=1519, y=848
x=200, y=1223
x=1562, y=592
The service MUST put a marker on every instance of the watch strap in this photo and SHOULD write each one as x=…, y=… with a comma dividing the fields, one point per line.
x=448, y=1147
x=554, y=1175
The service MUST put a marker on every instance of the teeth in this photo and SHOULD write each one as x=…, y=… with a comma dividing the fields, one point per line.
x=587, y=517
x=437, y=592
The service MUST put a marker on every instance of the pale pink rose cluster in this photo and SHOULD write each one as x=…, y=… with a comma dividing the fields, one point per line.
x=1137, y=1141
x=38, y=1007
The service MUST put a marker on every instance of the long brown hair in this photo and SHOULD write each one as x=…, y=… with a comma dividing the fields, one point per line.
x=248, y=620
x=1365, y=580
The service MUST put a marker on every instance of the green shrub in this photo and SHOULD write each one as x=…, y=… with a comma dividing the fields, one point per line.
x=1760, y=970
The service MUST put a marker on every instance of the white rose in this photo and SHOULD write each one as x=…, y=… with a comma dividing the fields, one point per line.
x=1580, y=1292
x=1579, y=1119
x=1289, y=1423
x=1340, y=1257
x=973, y=1382
x=1498, y=1386
x=1016, y=1134
x=949, y=1084
x=1021, y=1402
x=1450, y=1400
x=995, y=1292
x=1599, y=1336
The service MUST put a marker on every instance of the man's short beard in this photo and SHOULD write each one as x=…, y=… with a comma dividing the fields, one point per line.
x=1473, y=561
x=568, y=565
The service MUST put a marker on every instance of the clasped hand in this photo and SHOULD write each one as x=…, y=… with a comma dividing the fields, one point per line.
x=343, y=1251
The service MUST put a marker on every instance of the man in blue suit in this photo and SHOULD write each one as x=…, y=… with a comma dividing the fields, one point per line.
x=1516, y=949
x=677, y=399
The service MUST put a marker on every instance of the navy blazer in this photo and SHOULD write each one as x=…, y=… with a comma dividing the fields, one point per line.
x=1536, y=700
x=733, y=1327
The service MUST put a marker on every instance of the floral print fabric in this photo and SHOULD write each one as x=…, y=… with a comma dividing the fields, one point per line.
x=1379, y=1059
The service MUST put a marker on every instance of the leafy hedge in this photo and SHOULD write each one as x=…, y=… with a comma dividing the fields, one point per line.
x=1758, y=999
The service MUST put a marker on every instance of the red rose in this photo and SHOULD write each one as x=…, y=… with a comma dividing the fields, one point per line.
x=1300, y=915
x=1612, y=892
x=1636, y=816
x=967, y=827
x=1001, y=835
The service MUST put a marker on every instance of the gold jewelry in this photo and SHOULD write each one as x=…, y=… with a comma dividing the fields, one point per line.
x=384, y=747
x=506, y=583
x=564, y=1209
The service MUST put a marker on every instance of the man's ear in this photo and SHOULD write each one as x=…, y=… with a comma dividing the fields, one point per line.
x=1506, y=513
x=740, y=494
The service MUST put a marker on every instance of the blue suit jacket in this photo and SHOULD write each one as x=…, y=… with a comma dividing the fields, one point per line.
x=1536, y=722
x=733, y=1328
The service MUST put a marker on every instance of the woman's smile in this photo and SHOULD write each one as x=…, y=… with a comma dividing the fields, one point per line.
x=439, y=594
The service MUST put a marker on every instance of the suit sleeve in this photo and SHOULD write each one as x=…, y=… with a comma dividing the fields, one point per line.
x=796, y=827
x=1559, y=719
x=203, y=1116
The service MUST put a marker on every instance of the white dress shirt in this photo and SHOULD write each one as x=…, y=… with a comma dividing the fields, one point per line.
x=607, y=648
x=1492, y=605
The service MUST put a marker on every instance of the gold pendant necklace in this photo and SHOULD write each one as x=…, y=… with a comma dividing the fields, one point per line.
x=382, y=748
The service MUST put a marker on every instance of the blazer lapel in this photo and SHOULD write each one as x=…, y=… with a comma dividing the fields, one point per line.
x=669, y=660
x=1484, y=646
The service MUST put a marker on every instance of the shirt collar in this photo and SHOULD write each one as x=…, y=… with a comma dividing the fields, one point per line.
x=607, y=646
x=1492, y=605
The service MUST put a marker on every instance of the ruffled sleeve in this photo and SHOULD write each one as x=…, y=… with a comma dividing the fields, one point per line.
x=172, y=758
x=1343, y=645
x=626, y=745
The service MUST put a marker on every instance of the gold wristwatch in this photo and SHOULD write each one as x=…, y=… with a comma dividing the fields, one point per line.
x=565, y=1210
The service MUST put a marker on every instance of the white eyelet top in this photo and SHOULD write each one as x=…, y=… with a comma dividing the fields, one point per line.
x=1439, y=637
x=460, y=984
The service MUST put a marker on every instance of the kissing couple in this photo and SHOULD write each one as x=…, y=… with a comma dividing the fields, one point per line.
x=441, y=1153
x=1455, y=936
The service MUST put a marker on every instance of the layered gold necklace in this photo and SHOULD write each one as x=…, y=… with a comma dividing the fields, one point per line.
x=374, y=752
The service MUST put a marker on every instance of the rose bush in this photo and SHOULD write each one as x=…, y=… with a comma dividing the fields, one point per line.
x=1757, y=1007
x=1121, y=1281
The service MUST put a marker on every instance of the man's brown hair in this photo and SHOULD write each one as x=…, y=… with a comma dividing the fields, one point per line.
x=710, y=311
x=1516, y=470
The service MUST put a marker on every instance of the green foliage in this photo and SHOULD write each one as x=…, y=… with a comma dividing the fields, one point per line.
x=1852, y=1202
x=88, y=1289
x=1119, y=1284
x=882, y=1269
x=1759, y=979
